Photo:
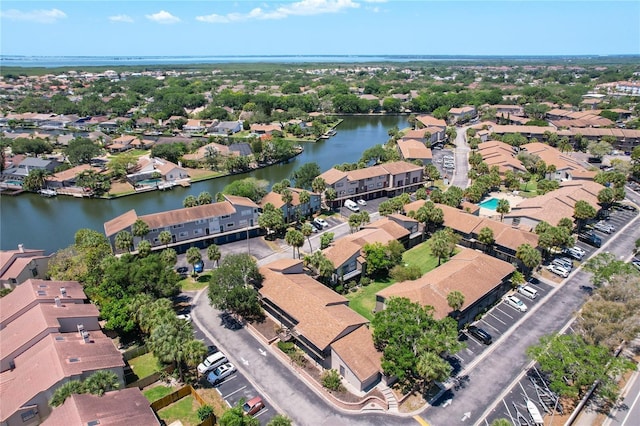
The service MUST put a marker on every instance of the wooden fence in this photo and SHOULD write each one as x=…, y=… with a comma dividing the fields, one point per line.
x=146, y=381
x=134, y=352
x=186, y=390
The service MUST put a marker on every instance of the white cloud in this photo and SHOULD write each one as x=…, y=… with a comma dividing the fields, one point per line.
x=121, y=18
x=40, y=15
x=301, y=8
x=163, y=17
x=375, y=1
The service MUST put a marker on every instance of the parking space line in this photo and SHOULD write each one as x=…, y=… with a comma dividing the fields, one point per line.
x=235, y=391
x=498, y=319
x=492, y=326
x=497, y=308
x=261, y=412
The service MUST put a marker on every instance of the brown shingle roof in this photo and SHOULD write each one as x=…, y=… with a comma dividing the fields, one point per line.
x=391, y=227
x=240, y=201
x=188, y=214
x=117, y=408
x=119, y=223
x=332, y=176
x=356, y=349
x=470, y=272
x=322, y=315
x=414, y=149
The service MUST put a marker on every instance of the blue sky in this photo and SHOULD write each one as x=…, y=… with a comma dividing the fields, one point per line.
x=319, y=27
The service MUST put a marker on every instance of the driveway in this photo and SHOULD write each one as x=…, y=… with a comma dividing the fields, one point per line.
x=461, y=173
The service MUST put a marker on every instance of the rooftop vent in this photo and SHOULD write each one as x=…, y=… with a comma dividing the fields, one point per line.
x=85, y=337
x=58, y=302
x=21, y=248
x=42, y=293
x=63, y=291
x=60, y=338
x=80, y=328
x=74, y=360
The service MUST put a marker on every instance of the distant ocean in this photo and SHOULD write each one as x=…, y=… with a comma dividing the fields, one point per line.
x=71, y=61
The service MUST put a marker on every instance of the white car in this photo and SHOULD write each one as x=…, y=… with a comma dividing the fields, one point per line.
x=515, y=303
x=214, y=360
x=184, y=317
x=221, y=373
x=320, y=221
x=579, y=250
x=362, y=202
x=558, y=270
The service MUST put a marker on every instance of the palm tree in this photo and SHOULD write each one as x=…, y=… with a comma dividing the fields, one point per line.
x=144, y=248
x=100, y=382
x=193, y=256
x=195, y=351
x=124, y=241
x=35, y=180
x=432, y=367
x=165, y=238
x=318, y=185
x=485, y=236
x=140, y=228
x=295, y=239
x=529, y=256
x=214, y=254
x=307, y=230
x=503, y=208
x=169, y=256
x=440, y=246
x=582, y=212
x=355, y=220
x=168, y=342
x=204, y=198
x=287, y=198
x=65, y=391
x=455, y=300
x=305, y=198
x=190, y=201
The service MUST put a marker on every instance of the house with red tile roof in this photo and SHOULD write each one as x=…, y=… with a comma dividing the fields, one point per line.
x=220, y=222
x=321, y=322
x=117, y=408
x=17, y=266
x=49, y=363
x=482, y=280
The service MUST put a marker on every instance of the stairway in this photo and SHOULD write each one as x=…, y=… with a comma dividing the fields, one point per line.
x=391, y=399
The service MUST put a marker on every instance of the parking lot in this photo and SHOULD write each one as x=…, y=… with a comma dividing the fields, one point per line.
x=440, y=157
x=496, y=322
x=236, y=387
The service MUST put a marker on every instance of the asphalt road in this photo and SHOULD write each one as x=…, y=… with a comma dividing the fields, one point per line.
x=460, y=175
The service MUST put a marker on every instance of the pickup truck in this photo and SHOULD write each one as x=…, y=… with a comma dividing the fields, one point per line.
x=590, y=238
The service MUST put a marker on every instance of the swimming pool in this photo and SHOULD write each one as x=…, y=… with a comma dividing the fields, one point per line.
x=13, y=182
x=491, y=204
x=149, y=182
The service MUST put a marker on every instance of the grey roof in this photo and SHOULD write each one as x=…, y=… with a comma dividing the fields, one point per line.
x=230, y=125
x=241, y=148
x=38, y=163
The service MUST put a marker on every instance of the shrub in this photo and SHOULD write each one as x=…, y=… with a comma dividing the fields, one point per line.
x=287, y=347
x=405, y=273
x=204, y=412
x=339, y=289
x=331, y=380
x=365, y=281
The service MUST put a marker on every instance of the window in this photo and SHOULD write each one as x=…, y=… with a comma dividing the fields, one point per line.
x=197, y=231
x=230, y=224
x=246, y=213
x=201, y=221
x=339, y=185
x=34, y=272
x=379, y=184
x=242, y=222
x=415, y=180
x=226, y=216
x=183, y=234
x=351, y=191
x=28, y=415
x=181, y=225
x=368, y=179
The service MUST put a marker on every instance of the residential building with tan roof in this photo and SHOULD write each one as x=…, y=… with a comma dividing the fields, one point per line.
x=116, y=408
x=67, y=178
x=462, y=113
x=388, y=179
x=501, y=155
x=509, y=109
x=555, y=205
x=40, y=321
x=565, y=165
x=225, y=221
x=434, y=126
x=17, y=266
x=413, y=149
x=296, y=207
x=54, y=360
x=319, y=318
x=151, y=167
x=208, y=150
x=35, y=291
x=482, y=280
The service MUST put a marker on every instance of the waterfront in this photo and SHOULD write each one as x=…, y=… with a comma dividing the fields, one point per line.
x=50, y=223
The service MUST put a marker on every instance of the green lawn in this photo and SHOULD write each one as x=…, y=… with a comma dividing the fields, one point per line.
x=157, y=392
x=145, y=365
x=200, y=282
x=532, y=188
x=363, y=301
x=185, y=410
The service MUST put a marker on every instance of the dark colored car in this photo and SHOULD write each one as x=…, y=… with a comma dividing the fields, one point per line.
x=252, y=406
x=590, y=238
x=480, y=334
x=182, y=270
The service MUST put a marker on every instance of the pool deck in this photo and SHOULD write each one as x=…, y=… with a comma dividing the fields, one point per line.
x=512, y=198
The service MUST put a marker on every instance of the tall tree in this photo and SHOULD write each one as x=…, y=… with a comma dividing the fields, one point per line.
x=442, y=244
x=582, y=212
x=318, y=185
x=35, y=180
x=231, y=286
x=204, y=198
x=213, y=253
x=165, y=238
x=193, y=256
x=529, y=256
x=295, y=239
x=305, y=175
x=455, y=300
x=485, y=236
x=503, y=208
x=307, y=230
x=140, y=228
x=305, y=198
x=287, y=198
x=124, y=240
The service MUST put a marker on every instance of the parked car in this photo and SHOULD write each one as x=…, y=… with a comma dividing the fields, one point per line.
x=252, y=406
x=320, y=221
x=579, y=250
x=198, y=267
x=566, y=263
x=214, y=360
x=221, y=373
x=182, y=270
x=571, y=252
x=316, y=226
x=636, y=263
x=558, y=270
x=352, y=205
x=480, y=334
x=590, y=238
x=362, y=202
x=515, y=303
x=603, y=227
x=184, y=317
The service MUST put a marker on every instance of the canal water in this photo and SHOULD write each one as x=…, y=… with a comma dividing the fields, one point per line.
x=51, y=223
